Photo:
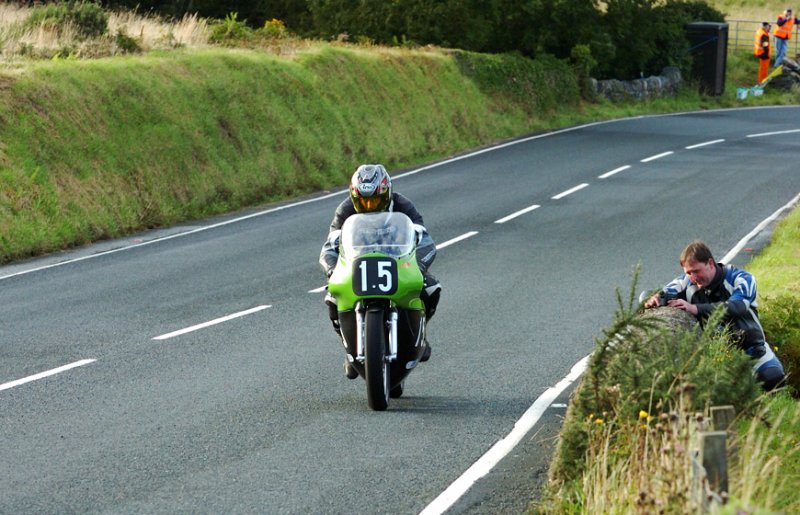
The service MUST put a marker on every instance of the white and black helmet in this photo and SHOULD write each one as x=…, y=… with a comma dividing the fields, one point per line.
x=371, y=189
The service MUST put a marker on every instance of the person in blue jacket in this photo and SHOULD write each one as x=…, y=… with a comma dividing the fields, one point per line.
x=704, y=285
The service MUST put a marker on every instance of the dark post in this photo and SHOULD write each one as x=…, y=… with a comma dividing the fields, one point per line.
x=709, y=48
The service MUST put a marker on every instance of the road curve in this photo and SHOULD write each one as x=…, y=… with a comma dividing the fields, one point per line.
x=193, y=369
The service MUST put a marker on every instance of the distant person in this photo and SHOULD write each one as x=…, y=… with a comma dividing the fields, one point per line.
x=783, y=33
x=762, y=50
x=706, y=284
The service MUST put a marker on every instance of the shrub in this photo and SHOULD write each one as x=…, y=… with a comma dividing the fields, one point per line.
x=126, y=44
x=273, y=29
x=230, y=30
x=86, y=17
x=651, y=362
x=780, y=317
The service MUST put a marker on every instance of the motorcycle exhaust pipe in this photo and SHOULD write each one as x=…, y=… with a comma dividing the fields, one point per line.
x=392, y=335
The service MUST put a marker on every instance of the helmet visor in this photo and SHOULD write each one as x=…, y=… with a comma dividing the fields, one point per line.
x=369, y=203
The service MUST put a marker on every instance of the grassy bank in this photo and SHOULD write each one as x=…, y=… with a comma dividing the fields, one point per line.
x=96, y=149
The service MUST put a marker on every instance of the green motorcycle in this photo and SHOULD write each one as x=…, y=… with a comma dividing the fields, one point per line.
x=377, y=286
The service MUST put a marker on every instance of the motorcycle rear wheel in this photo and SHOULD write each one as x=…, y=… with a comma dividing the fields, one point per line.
x=376, y=367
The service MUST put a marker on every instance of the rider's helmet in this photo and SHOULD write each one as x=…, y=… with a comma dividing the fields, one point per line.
x=371, y=189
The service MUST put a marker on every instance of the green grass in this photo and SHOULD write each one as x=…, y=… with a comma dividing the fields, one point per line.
x=97, y=149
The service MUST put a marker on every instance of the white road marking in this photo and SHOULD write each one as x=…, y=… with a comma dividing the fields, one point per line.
x=501, y=449
x=41, y=375
x=570, y=191
x=705, y=144
x=772, y=133
x=456, y=239
x=518, y=213
x=614, y=171
x=398, y=176
x=318, y=290
x=739, y=246
x=558, y=405
x=211, y=322
x=657, y=156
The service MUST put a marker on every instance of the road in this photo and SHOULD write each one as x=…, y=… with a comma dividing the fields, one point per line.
x=171, y=404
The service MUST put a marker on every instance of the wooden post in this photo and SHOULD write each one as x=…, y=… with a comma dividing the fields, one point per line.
x=714, y=460
x=722, y=417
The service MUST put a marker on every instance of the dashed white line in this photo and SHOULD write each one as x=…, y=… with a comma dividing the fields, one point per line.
x=48, y=373
x=570, y=191
x=211, y=322
x=657, y=156
x=772, y=133
x=456, y=239
x=518, y=213
x=614, y=171
x=704, y=144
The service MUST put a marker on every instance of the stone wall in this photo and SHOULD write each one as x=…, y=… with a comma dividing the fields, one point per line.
x=654, y=86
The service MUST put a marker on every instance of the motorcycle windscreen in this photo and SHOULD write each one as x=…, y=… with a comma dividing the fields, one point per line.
x=391, y=234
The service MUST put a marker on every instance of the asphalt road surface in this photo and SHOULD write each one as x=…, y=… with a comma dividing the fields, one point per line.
x=194, y=370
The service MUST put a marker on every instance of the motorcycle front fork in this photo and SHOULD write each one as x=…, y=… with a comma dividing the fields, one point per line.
x=361, y=335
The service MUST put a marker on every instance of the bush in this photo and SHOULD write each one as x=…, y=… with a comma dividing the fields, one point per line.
x=780, y=317
x=88, y=18
x=273, y=29
x=230, y=30
x=651, y=361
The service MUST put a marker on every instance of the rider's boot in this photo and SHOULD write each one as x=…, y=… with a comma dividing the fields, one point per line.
x=349, y=370
x=430, y=297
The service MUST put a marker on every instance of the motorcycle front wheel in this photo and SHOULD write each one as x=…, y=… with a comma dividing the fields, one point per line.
x=376, y=367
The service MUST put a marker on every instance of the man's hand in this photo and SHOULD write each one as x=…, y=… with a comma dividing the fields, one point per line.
x=652, y=302
x=683, y=306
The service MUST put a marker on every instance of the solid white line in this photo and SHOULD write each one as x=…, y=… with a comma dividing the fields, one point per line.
x=456, y=239
x=612, y=172
x=406, y=174
x=318, y=290
x=501, y=449
x=211, y=322
x=41, y=375
x=518, y=213
x=570, y=191
x=771, y=133
x=739, y=246
x=713, y=142
x=657, y=156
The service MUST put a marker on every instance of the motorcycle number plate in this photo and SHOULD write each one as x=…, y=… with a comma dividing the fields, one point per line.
x=375, y=276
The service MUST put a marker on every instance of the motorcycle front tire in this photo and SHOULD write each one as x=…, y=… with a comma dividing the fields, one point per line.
x=376, y=367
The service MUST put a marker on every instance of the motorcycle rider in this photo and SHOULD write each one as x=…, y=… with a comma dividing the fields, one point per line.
x=371, y=192
x=706, y=284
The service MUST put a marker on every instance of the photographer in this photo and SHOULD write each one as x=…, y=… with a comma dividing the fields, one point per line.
x=704, y=285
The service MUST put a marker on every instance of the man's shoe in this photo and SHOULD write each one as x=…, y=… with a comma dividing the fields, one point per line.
x=349, y=370
x=426, y=354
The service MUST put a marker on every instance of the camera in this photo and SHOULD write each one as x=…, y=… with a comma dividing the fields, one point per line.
x=664, y=297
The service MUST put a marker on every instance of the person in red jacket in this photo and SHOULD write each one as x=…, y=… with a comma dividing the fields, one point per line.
x=783, y=33
x=762, y=50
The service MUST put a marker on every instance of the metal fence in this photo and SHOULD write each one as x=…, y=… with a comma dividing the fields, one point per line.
x=741, y=34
